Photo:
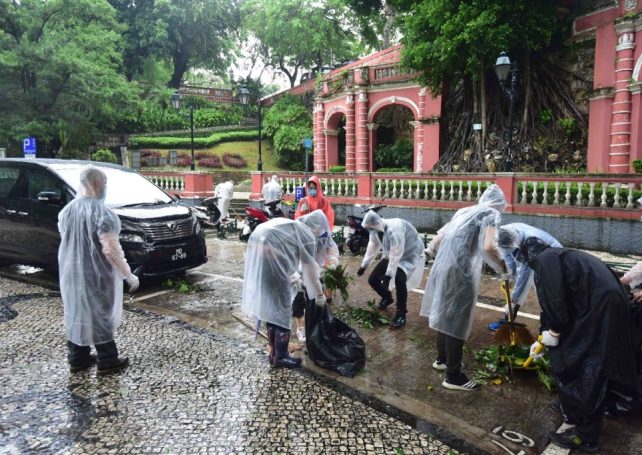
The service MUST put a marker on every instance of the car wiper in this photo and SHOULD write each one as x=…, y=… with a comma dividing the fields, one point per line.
x=138, y=204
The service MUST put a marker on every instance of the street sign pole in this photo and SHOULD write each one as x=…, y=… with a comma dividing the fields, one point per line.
x=307, y=145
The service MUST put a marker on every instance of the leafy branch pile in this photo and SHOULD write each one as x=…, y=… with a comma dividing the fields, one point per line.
x=337, y=280
x=363, y=317
x=182, y=286
x=499, y=361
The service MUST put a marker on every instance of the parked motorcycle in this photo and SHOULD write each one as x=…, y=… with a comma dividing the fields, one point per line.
x=255, y=216
x=359, y=236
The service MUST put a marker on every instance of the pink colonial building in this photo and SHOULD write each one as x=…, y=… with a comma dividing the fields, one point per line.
x=615, y=123
x=354, y=95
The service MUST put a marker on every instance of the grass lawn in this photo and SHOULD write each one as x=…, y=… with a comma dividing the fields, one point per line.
x=249, y=150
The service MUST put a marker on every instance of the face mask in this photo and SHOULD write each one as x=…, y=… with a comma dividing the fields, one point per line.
x=313, y=193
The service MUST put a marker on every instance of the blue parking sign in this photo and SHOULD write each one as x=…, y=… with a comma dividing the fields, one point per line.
x=29, y=147
x=307, y=143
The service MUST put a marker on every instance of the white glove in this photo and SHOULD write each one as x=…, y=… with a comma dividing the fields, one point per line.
x=296, y=280
x=430, y=251
x=512, y=307
x=133, y=282
x=304, y=207
x=550, y=338
x=533, y=354
x=320, y=300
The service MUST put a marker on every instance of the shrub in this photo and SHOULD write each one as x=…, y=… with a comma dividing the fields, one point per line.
x=71, y=154
x=399, y=155
x=104, y=155
x=212, y=161
x=233, y=160
x=637, y=165
x=184, y=161
x=394, y=169
x=202, y=155
x=287, y=122
x=171, y=142
x=337, y=169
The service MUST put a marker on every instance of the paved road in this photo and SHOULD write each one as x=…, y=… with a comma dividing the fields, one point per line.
x=188, y=390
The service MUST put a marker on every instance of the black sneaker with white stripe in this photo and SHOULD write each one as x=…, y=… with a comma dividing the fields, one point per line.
x=460, y=382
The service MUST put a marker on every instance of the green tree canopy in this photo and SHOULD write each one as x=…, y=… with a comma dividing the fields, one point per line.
x=59, y=62
x=447, y=39
x=297, y=34
x=287, y=123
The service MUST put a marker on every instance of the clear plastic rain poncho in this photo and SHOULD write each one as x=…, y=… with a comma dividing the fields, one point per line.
x=92, y=264
x=274, y=251
x=524, y=275
x=272, y=191
x=224, y=192
x=453, y=283
x=400, y=243
x=327, y=253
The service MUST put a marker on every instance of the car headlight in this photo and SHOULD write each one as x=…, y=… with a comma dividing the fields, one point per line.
x=133, y=238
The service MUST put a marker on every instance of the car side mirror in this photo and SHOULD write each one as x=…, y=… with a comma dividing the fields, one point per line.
x=49, y=197
x=176, y=196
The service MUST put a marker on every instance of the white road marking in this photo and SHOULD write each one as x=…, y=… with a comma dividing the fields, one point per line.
x=490, y=307
x=214, y=275
x=149, y=296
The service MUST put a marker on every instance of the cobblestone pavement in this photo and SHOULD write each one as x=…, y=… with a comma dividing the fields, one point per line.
x=187, y=391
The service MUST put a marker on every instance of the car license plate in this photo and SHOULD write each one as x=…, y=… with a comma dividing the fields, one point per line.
x=179, y=254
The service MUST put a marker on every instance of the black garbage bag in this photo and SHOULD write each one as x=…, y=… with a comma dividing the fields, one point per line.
x=331, y=343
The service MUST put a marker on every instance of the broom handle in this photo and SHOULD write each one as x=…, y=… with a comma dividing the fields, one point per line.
x=538, y=349
x=506, y=289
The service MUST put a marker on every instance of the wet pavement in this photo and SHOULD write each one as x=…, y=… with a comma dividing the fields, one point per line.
x=398, y=384
x=188, y=390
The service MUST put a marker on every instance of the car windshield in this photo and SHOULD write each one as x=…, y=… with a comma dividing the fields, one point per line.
x=123, y=188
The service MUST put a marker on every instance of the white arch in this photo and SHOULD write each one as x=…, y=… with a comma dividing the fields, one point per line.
x=393, y=100
x=330, y=113
x=636, y=70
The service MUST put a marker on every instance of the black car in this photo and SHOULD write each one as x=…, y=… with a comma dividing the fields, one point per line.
x=159, y=236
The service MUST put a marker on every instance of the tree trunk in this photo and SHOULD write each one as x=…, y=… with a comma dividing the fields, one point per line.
x=389, y=12
x=180, y=59
x=527, y=91
x=482, y=101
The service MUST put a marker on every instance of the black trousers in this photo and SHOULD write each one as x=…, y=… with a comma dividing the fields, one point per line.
x=400, y=284
x=298, y=304
x=107, y=353
x=451, y=350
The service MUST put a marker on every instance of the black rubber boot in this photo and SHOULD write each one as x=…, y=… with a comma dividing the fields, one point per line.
x=282, y=356
x=270, y=334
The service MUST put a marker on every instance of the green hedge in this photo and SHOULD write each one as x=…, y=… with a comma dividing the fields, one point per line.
x=337, y=169
x=138, y=142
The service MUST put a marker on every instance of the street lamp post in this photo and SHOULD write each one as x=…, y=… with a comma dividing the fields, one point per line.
x=503, y=66
x=176, y=102
x=244, y=94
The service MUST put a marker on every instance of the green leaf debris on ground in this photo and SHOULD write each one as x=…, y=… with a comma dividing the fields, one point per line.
x=362, y=317
x=499, y=362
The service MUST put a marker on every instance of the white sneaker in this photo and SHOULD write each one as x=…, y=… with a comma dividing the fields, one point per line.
x=300, y=334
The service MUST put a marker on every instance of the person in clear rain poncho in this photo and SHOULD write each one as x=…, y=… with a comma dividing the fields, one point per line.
x=510, y=238
x=92, y=267
x=453, y=284
x=272, y=190
x=327, y=255
x=275, y=251
x=402, y=266
x=224, y=193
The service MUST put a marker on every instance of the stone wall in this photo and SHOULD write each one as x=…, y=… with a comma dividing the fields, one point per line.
x=615, y=236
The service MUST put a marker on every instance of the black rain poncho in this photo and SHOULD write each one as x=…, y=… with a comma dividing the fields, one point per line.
x=583, y=300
